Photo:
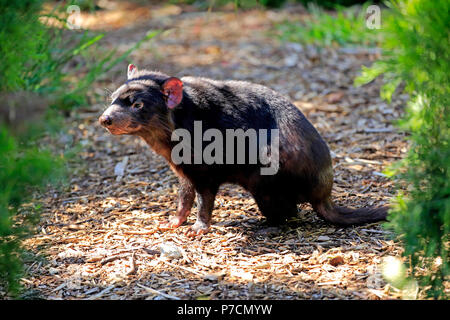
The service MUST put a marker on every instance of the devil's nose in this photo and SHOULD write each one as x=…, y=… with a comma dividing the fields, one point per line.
x=105, y=120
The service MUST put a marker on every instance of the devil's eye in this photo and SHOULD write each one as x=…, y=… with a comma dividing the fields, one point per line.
x=138, y=105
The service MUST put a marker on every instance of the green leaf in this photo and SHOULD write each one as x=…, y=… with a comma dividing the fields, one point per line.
x=369, y=74
x=388, y=89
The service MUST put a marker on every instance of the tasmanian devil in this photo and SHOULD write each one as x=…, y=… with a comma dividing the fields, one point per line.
x=163, y=109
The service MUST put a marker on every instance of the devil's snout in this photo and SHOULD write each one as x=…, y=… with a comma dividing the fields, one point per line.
x=105, y=120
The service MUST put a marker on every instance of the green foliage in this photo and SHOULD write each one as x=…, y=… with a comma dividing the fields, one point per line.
x=18, y=21
x=346, y=26
x=22, y=169
x=38, y=61
x=70, y=90
x=416, y=51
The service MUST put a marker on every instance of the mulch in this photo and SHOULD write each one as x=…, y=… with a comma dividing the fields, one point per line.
x=99, y=238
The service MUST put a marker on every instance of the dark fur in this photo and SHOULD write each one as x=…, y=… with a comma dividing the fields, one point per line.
x=305, y=167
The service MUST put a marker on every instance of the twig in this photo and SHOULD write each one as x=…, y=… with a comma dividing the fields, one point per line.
x=330, y=283
x=62, y=285
x=181, y=267
x=98, y=295
x=119, y=256
x=377, y=231
x=168, y=296
x=145, y=232
x=133, y=265
x=378, y=130
x=151, y=252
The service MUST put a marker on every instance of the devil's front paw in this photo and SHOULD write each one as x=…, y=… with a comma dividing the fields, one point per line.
x=174, y=222
x=198, y=228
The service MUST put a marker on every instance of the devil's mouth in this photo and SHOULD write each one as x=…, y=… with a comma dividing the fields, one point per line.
x=119, y=131
x=116, y=131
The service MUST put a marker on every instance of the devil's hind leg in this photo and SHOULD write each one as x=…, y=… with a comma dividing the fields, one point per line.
x=275, y=207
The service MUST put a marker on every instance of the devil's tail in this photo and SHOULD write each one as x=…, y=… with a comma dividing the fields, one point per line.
x=347, y=216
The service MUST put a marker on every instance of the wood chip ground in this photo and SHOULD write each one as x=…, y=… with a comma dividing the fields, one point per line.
x=99, y=238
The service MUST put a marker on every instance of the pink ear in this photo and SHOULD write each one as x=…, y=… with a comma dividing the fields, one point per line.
x=131, y=70
x=172, y=88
